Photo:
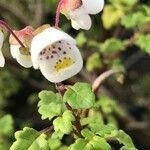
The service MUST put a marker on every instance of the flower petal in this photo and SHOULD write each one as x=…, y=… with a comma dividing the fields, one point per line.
x=23, y=60
x=2, y=60
x=45, y=38
x=80, y=20
x=1, y=39
x=60, y=61
x=93, y=6
x=21, y=34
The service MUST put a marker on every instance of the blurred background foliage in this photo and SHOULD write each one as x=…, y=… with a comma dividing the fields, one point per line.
x=119, y=39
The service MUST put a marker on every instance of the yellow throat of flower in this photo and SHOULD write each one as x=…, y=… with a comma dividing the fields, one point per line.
x=64, y=63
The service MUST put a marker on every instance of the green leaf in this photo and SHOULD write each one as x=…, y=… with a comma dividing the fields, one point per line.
x=79, y=144
x=93, y=62
x=108, y=105
x=146, y=9
x=5, y=143
x=103, y=130
x=87, y=134
x=136, y=19
x=29, y=139
x=116, y=14
x=50, y=104
x=57, y=135
x=125, y=3
x=143, y=41
x=111, y=46
x=117, y=64
x=81, y=39
x=80, y=96
x=94, y=118
x=96, y=143
x=64, y=124
x=54, y=144
x=6, y=125
x=99, y=143
x=125, y=139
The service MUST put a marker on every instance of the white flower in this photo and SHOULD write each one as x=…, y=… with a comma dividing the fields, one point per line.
x=55, y=54
x=22, y=55
x=2, y=60
x=79, y=12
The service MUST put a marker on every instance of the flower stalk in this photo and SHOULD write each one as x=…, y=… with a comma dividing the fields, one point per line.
x=57, y=17
x=3, y=23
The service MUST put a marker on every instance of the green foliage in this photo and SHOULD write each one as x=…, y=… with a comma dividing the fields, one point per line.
x=125, y=3
x=80, y=96
x=90, y=142
x=50, y=104
x=6, y=125
x=93, y=62
x=6, y=131
x=95, y=133
x=117, y=64
x=136, y=19
x=54, y=144
x=64, y=124
x=29, y=139
x=98, y=123
x=108, y=105
x=111, y=45
x=115, y=13
x=81, y=39
x=122, y=138
x=95, y=143
x=143, y=41
x=8, y=86
x=125, y=139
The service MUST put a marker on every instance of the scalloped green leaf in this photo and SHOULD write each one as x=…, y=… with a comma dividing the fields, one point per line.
x=102, y=130
x=64, y=124
x=29, y=139
x=54, y=144
x=6, y=125
x=123, y=138
x=87, y=133
x=80, y=96
x=112, y=45
x=95, y=143
x=79, y=144
x=50, y=104
x=135, y=20
x=93, y=62
x=126, y=140
x=143, y=41
x=116, y=14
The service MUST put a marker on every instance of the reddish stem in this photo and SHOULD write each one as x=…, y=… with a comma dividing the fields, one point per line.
x=62, y=89
x=3, y=23
x=57, y=17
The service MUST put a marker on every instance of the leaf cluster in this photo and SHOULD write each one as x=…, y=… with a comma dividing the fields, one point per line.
x=67, y=114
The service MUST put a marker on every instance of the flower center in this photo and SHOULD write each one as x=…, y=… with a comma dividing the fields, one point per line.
x=59, y=55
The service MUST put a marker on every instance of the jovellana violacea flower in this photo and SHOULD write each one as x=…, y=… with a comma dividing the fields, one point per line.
x=78, y=11
x=22, y=55
x=55, y=54
x=2, y=60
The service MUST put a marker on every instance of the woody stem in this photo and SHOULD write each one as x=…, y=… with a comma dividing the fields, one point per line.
x=3, y=23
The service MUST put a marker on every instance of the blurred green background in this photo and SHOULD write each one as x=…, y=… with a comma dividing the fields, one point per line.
x=119, y=39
